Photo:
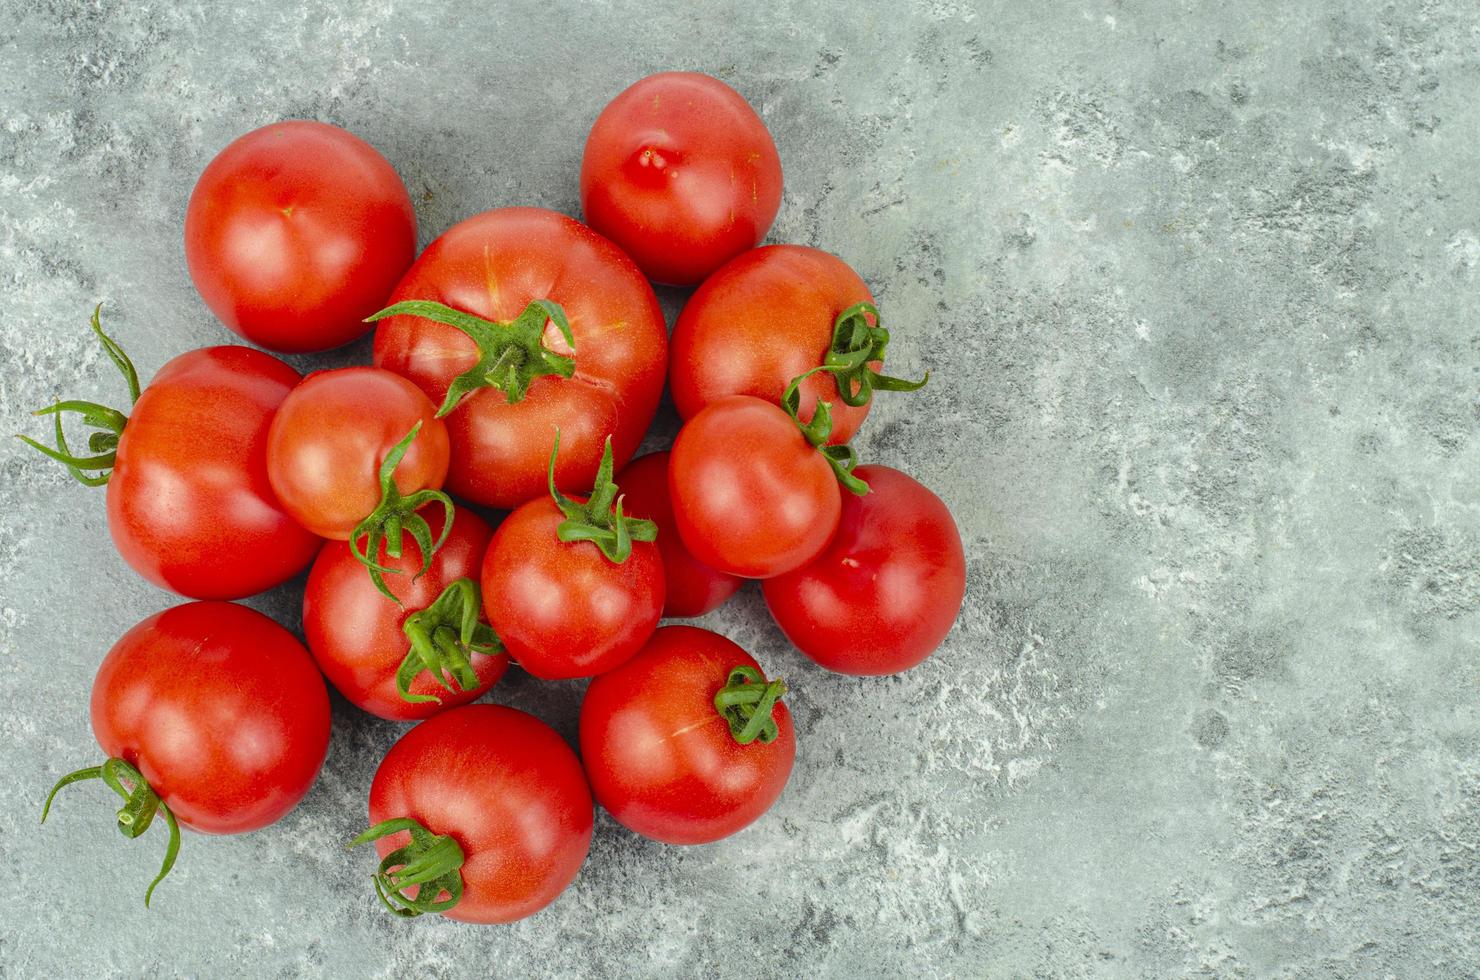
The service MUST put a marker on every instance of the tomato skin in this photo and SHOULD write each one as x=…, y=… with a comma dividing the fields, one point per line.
x=220, y=709
x=563, y=609
x=681, y=173
x=190, y=506
x=493, y=265
x=508, y=789
x=331, y=434
x=886, y=591
x=692, y=588
x=763, y=319
x=296, y=232
x=662, y=760
x=751, y=496
x=355, y=633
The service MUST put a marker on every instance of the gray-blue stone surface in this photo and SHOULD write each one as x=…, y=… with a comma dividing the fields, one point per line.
x=1197, y=285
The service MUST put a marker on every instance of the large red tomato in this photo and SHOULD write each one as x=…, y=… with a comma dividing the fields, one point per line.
x=211, y=714
x=752, y=495
x=692, y=587
x=687, y=742
x=773, y=314
x=572, y=587
x=680, y=172
x=510, y=279
x=353, y=454
x=190, y=507
x=884, y=594
x=420, y=654
x=488, y=807
x=296, y=232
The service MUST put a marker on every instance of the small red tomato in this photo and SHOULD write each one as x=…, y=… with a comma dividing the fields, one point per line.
x=211, y=715
x=682, y=174
x=884, y=594
x=486, y=809
x=517, y=322
x=189, y=503
x=692, y=587
x=354, y=451
x=573, y=588
x=772, y=314
x=296, y=232
x=752, y=496
x=419, y=655
x=687, y=742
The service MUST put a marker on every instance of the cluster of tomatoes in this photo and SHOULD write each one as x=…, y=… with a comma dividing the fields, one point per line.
x=518, y=362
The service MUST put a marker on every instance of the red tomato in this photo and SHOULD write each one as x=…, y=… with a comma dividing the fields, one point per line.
x=751, y=496
x=215, y=714
x=509, y=794
x=361, y=640
x=296, y=232
x=495, y=265
x=190, y=507
x=573, y=604
x=773, y=314
x=692, y=587
x=680, y=172
x=884, y=594
x=662, y=757
x=329, y=438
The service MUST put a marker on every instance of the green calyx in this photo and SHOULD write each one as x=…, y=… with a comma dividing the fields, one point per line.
x=856, y=344
x=746, y=702
x=140, y=804
x=93, y=470
x=431, y=864
x=397, y=513
x=843, y=459
x=595, y=520
x=510, y=355
x=443, y=638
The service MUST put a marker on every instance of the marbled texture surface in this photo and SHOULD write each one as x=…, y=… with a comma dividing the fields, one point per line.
x=1197, y=284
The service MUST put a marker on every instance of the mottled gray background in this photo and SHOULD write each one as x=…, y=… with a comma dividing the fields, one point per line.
x=1197, y=283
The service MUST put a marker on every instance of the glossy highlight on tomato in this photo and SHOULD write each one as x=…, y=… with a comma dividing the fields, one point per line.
x=885, y=592
x=494, y=266
x=507, y=790
x=296, y=232
x=663, y=760
x=681, y=173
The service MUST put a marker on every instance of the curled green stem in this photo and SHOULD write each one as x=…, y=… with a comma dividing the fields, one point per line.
x=510, y=355
x=856, y=344
x=746, y=702
x=140, y=805
x=93, y=470
x=395, y=514
x=595, y=520
x=443, y=638
x=843, y=459
x=431, y=864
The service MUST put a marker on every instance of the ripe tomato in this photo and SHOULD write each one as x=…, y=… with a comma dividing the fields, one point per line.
x=189, y=503
x=488, y=807
x=530, y=271
x=884, y=594
x=572, y=587
x=772, y=314
x=680, y=172
x=692, y=587
x=666, y=759
x=353, y=454
x=211, y=714
x=752, y=495
x=428, y=644
x=296, y=232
